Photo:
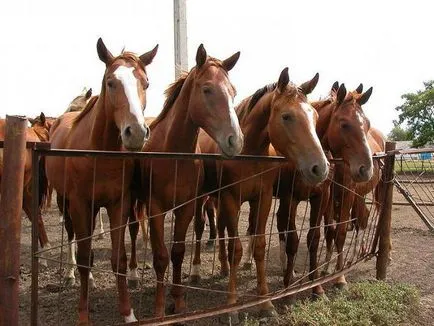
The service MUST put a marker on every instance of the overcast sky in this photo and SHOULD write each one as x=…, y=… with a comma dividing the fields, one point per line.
x=48, y=47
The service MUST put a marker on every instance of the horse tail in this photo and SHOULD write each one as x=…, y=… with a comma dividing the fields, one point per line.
x=43, y=182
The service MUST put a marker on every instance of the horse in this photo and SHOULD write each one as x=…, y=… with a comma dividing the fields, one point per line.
x=291, y=190
x=38, y=132
x=112, y=121
x=201, y=98
x=276, y=118
x=79, y=102
x=348, y=135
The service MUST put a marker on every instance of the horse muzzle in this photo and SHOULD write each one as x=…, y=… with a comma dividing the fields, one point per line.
x=134, y=136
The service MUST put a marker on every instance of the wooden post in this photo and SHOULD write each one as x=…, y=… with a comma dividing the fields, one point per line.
x=385, y=218
x=14, y=159
x=180, y=36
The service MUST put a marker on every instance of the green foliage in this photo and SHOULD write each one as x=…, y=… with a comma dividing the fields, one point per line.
x=364, y=303
x=398, y=133
x=417, y=113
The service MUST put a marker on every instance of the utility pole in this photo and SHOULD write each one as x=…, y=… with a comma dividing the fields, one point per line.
x=180, y=36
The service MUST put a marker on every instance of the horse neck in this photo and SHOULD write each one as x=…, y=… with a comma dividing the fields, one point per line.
x=104, y=132
x=323, y=122
x=180, y=132
x=254, y=127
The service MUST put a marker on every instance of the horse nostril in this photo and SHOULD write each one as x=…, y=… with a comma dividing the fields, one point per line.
x=315, y=170
x=147, y=132
x=362, y=170
x=127, y=131
x=231, y=141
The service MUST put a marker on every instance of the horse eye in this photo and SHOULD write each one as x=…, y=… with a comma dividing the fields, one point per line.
x=345, y=126
x=286, y=117
x=207, y=90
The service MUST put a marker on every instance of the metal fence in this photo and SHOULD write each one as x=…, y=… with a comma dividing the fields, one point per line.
x=51, y=301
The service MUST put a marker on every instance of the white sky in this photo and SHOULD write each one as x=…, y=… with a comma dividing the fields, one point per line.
x=48, y=47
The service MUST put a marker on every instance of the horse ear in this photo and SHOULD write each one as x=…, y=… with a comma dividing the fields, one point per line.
x=359, y=89
x=365, y=97
x=310, y=85
x=283, y=80
x=342, y=93
x=31, y=121
x=42, y=117
x=335, y=86
x=149, y=56
x=200, y=56
x=88, y=94
x=230, y=62
x=104, y=54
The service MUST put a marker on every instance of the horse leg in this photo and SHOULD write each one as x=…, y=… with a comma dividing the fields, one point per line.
x=133, y=226
x=292, y=242
x=118, y=215
x=160, y=254
x=140, y=213
x=42, y=236
x=341, y=233
x=199, y=225
x=211, y=213
x=184, y=216
x=228, y=212
x=282, y=222
x=258, y=220
x=318, y=206
x=329, y=233
x=81, y=219
x=221, y=226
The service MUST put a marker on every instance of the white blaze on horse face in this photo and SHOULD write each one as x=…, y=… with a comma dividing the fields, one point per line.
x=126, y=76
x=310, y=116
x=232, y=114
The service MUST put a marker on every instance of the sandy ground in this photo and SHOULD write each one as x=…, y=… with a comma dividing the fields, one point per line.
x=413, y=262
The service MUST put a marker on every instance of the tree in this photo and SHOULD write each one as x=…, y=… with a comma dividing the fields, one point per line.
x=399, y=133
x=417, y=113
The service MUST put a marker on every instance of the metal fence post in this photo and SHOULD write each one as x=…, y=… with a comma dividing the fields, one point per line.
x=14, y=159
x=385, y=220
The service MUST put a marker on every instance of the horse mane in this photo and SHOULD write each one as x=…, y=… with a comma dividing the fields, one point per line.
x=86, y=110
x=171, y=93
x=174, y=89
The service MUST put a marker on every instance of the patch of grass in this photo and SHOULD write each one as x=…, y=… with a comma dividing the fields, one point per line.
x=364, y=303
x=413, y=166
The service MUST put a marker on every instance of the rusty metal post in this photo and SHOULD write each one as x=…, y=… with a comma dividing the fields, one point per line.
x=14, y=159
x=35, y=232
x=385, y=220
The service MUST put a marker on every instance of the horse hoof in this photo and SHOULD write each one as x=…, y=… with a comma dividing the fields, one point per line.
x=247, y=266
x=325, y=272
x=195, y=279
x=268, y=313
x=210, y=244
x=43, y=264
x=101, y=236
x=133, y=283
x=319, y=296
x=69, y=282
x=147, y=265
x=92, y=284
x=231, y=318
x=224, y=273
x=341, y=286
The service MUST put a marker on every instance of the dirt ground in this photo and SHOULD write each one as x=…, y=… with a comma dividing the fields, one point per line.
x=413, y=262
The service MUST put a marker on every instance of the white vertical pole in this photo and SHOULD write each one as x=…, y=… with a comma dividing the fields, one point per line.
x=180, y=36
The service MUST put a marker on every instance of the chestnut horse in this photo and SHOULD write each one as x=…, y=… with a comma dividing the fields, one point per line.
x=276, y=118
x=200, y=99
x=291, y=190
x=78, y=103
x=113, y=121
x=348, y=134
x=36, y=133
